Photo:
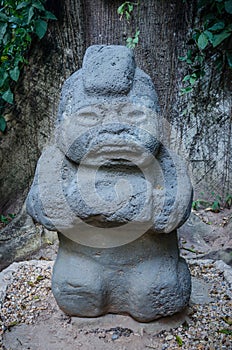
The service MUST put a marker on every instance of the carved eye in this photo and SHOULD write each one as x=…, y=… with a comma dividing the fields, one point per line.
x=88, y=118
x=137, y=116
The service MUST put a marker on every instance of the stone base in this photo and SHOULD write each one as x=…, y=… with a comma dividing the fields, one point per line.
x=145, y=279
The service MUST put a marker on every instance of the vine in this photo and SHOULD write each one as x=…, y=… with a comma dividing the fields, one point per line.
x=210, y=41
x=20, y=21
x=126, y=10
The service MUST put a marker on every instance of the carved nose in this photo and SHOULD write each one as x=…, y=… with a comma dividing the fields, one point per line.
x=113, y=117
x=115, y=128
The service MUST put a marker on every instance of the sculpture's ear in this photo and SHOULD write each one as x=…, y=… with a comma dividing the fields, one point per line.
x=173, y=200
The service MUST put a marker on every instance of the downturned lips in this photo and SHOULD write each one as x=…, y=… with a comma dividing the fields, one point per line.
x=130, y=154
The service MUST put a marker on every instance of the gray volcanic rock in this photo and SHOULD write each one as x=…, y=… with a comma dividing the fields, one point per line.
x=107, y=71
x=114, y=193
x=150, y=283
x=21, y=238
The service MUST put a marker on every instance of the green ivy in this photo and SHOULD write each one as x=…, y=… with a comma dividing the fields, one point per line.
x=209, y=40
x=131, y=42
x=19, y=22
x=126, y=10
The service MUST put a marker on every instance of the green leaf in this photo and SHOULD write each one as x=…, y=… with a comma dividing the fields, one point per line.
x=3, y=218
x=215, y=206
x=228, y=6
x=184, y=112
x=130, y=7
x=209, y=35
x=40, y=28
x=225, y=331
x=6, y=38
x=14, y=73
x=136, y=38
x=199, y=59
x=195, y=205
x=14, y=20
x=202, y=41
x=31, y=284
x=3, y=78
x=121, y=9
x=38, y=5
x=22, y=5
x=219, y=38
x=50, y=15
x=128, y=16
x=189, y=53
x=129, y=43
x=12, y=216
x=3, y=27
x=8, y=96
x=229, y=58
x=217, y=26
x=186, y=78
x=186, y=90
x=196, y=34
x=193, y=78
x=30, y=15
x=2, y=125
x=40, y=278
x=3, y=17
x=179, y=340
x=182, y=58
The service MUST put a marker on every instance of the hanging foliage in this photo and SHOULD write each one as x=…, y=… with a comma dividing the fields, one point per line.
x=210, y=40
x=19, y=22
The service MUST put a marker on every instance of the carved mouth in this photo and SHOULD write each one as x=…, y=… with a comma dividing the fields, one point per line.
x=120, y=155
x=120, y=149
x=130, y=155
x=117, y=149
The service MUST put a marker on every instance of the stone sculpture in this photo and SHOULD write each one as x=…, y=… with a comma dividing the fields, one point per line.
x=114, y=193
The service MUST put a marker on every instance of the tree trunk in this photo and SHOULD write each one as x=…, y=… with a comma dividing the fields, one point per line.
x=202, y=135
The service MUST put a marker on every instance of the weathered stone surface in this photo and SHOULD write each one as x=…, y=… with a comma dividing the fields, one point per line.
x=207, y=241
x=148, y=284
x=20, y=238
x=115, y=193
x=107, y=72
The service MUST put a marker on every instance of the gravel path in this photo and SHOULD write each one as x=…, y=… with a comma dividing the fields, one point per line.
x=29, y=306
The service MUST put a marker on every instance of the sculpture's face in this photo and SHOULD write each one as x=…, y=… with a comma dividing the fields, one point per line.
x=120, y=133
x=114, y=147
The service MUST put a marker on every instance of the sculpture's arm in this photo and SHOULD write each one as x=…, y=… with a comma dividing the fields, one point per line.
x=172, y=199
x=46, y=202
